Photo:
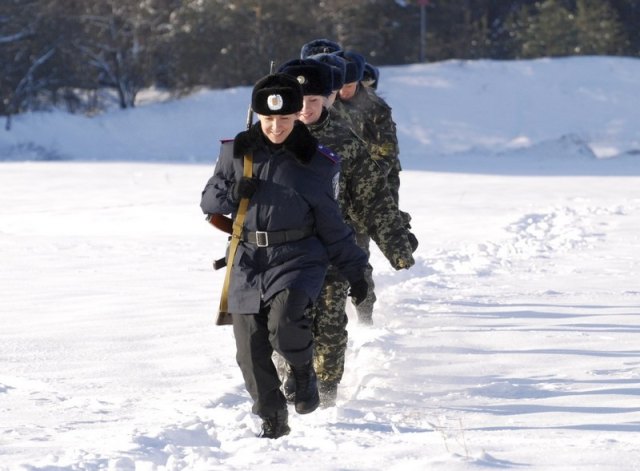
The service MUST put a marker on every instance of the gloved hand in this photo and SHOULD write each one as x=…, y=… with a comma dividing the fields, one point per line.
x=404, y=263
x=244, y=188
x=359, y=290
x=413, y=241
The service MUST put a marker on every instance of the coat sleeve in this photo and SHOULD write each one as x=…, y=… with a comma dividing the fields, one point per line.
x=216, y=196
x=337, y=236
x=383, y=128
x=373, y=210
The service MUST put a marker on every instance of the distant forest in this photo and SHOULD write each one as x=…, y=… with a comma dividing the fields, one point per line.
x=76, y=54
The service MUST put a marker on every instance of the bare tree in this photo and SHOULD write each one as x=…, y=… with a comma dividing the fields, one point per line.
x=21, y=57
x=68, y=51
x=119, y=41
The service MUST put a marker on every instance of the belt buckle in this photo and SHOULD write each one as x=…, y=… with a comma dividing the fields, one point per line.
x=262, y=239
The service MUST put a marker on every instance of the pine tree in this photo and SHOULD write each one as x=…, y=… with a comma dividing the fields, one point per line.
x=599, y=29
x=551, y=31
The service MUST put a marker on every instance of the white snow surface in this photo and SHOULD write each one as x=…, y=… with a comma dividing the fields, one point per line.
x=511, y=344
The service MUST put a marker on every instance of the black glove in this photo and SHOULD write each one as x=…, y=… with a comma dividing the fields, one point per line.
x=359, y=290
x=413, y=241
x=244, y=188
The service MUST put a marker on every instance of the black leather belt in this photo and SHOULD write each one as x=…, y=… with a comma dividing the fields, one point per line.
x=265, y=239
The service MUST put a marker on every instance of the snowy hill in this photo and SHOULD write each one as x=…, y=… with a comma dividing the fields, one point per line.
x=511, y=344
x=584, y=105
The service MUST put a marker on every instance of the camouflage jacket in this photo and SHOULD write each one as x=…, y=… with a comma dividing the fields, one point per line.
x=371, y=118
x=364, y=198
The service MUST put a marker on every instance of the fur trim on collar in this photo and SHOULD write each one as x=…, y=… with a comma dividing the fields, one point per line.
x=300, y=142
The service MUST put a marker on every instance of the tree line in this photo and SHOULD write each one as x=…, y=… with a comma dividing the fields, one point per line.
x=70, y=53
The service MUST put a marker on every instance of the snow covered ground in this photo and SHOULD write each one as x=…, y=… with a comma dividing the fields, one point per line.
x=512, y=344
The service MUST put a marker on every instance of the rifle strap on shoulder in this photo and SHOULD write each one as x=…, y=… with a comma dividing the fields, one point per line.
x=224, y=317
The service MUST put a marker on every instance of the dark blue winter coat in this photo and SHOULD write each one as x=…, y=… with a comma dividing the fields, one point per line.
x=297, y=186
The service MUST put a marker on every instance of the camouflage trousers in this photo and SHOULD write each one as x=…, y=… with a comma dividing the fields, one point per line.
x=365, y=308
x=330, y=330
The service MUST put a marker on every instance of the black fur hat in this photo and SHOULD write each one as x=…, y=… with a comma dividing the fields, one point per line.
x=338, y=68
x=276, y=94
x=315, y=77
x=319, y=46
x=355, y=66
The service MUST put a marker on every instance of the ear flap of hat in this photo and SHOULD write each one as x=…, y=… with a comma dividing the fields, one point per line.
x=355, y=66
x=276, y=94
x=337, y=78
x=370, y=76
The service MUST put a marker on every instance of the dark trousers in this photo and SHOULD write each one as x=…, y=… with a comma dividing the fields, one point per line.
x=281, y=325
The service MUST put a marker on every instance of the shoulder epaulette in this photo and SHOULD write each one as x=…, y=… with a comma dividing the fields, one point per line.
x=328, y=153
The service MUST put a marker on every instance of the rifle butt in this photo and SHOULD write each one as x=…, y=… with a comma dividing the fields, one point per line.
x=224, y=318
x=220, y=221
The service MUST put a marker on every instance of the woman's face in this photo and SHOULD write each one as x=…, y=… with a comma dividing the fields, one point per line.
x=277, y=127
x=348, y=90
x=311, y=108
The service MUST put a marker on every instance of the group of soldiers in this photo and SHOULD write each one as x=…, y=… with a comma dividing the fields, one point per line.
x=352, y=125
x=356, y=124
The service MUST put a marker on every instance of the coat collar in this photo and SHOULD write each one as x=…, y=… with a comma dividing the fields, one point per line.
x=300, y=142
x=322, y=122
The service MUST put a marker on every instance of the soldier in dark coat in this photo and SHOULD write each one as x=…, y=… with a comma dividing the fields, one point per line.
x=293, y=229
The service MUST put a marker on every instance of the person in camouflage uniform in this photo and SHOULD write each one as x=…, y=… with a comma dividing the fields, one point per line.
x=366, y=205
x=359, y=105
x=371, y=119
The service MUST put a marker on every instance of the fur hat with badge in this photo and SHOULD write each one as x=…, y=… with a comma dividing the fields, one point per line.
x=276, y=94
x=319, y=46
x=315, y=77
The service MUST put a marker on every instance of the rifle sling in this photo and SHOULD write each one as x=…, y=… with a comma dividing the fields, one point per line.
x=224, y=317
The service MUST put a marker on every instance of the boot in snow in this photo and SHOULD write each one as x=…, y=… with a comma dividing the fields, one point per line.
x=328, y=394
x=307, y=397
x=276, y=426
x=289, y=385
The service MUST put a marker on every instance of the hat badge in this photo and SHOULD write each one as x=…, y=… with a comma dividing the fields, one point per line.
x=301, y=79
x=275, y=102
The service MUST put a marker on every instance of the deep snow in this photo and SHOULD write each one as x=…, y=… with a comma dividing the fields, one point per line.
x=511, y=344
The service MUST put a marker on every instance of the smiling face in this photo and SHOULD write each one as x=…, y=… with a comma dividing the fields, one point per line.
x=311, y=108
x=277, y=127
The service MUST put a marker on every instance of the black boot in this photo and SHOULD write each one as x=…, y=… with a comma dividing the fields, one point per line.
x=289, y=385
x=328, y=394
x=307, y=397
x=276, y=426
